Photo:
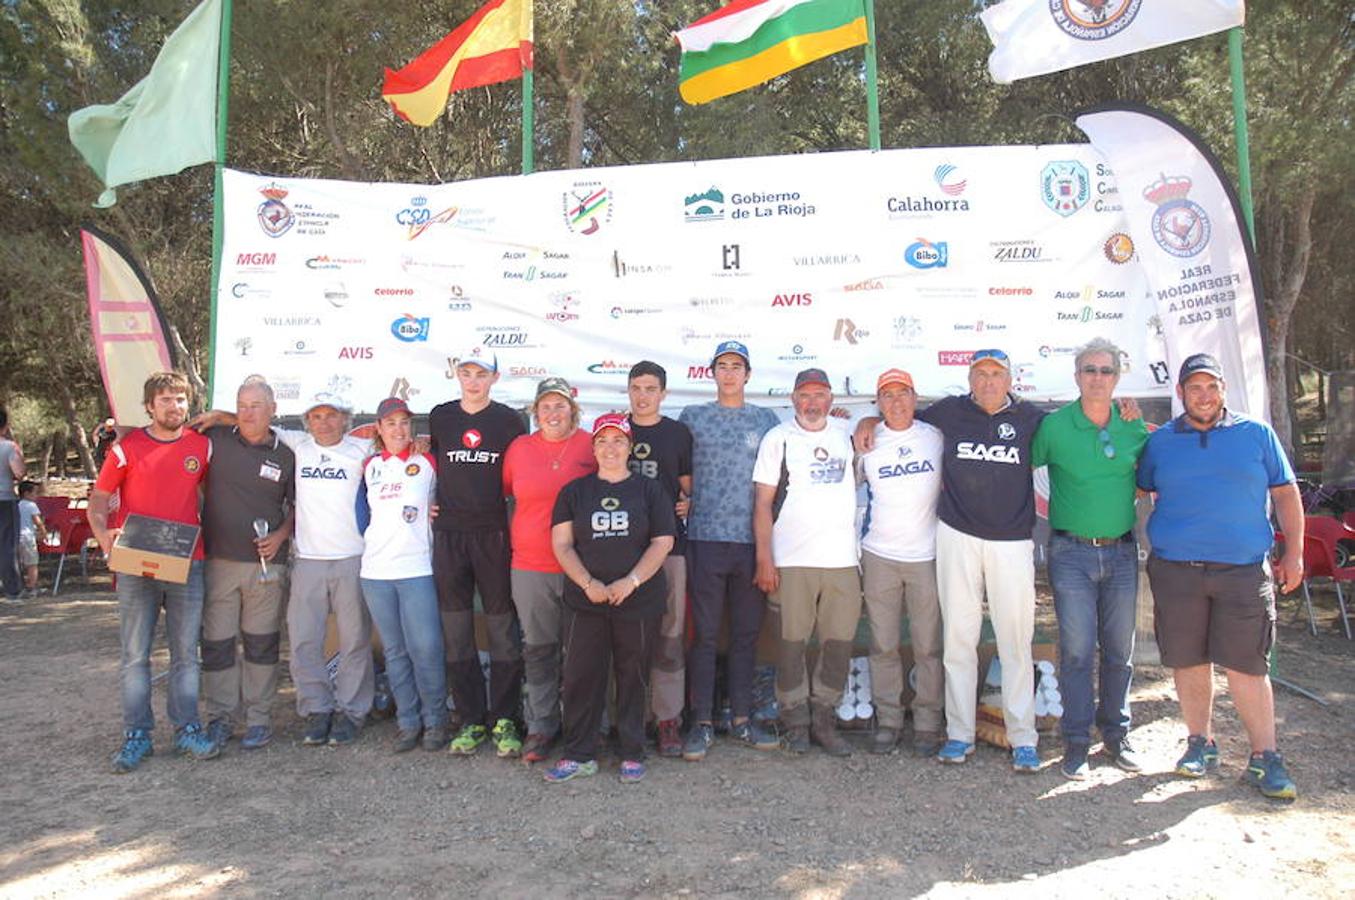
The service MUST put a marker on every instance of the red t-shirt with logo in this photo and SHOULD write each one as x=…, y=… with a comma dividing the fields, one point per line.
x=157, y=478
x=534, y=470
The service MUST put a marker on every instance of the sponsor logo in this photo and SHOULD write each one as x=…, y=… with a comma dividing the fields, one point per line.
x=1093, y=20
x=334, y=262
x=1006, y=431
x=565, y=303
x=1107, y=190
x=1087, y=314
x=191, y=464
x=700, y=373
x=1023, y=251
x=242, y=290
x=1180, y=225
x=1047, y=351
x=628, y=268
x=1118, y=248
x=336, y=294
x=1161, y=374
x=805, y=299
x=355, y=353
x=610, y=367
x=1009, y=291
x=292, y=321
x=335, y=392
x=771, y=205
x=923, y=254
x=324, y=472
x=287, y=390
x=505, y=336
x=275, y=217
x=870, y=284
x=707, y=206
x=988, y=452
x=394, y=292
x=912, y=467
x=523, y=265
x=255, y=261
x=401, y=388
x=410, y=262
x=409, y=513
x=911, y=207
x=467, y=219
x=527, y=371
x=412, y=469
x=610, y=521
x=1065, y=186
x=416, y=213
x=409, y=328
x=979, y=326
x=729, y=257
x=611, y=504
x=846, y=330
x=948, y=179
x=907, y=331
x=587, y=207
x=619, y=311
x=473, y=457
x=954, y=357
x=299, y=347
x=797, y=354
x=710, y=302
x=810, y=260
x=244, y=345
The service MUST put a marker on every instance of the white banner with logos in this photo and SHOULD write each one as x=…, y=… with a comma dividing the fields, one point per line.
x=1186, y=225
x=853, y=262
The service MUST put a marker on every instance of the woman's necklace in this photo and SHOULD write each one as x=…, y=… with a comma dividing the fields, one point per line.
x=564, y=445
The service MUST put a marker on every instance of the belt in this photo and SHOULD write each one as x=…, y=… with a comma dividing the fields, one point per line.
x=1126, y=538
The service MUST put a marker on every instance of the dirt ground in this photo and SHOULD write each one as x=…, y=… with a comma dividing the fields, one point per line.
x=300, y=822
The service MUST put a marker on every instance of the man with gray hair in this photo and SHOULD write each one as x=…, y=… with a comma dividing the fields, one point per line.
x=1091, y=453
x=251, y=479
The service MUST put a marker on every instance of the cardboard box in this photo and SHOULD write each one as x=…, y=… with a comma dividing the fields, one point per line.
x=154, y=548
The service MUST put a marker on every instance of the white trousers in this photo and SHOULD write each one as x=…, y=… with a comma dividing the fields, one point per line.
x=966, y=568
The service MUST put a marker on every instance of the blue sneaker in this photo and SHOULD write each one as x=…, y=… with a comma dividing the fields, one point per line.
x=191, y=740
x=632, y=770
x=1267, y=773
x=256, y=737
x=220, y=731
x=754, y=735
x=1025, y=760
x=1201, y=756
x=136, y=746
x=955, y=752
x=566, y=769
x=699, y=739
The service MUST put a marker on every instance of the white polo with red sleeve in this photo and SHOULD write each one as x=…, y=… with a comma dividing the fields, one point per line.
x=399, y=490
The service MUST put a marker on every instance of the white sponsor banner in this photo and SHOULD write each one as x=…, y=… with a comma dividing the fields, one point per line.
x=1185, y=223
x=1036, y=37
x=851, y=262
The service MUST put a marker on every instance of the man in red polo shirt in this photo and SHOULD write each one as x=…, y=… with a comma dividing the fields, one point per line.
x=157, y=471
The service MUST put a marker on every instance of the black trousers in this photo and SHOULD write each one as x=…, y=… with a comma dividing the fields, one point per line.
x=463, y=560
x=9, y=548
x=719, y=577
x=596, y=645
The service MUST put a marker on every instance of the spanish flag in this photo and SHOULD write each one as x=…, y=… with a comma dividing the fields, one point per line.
x=747, y=42
x=493, y=45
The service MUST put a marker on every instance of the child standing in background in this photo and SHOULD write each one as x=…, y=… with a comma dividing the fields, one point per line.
x=31, y=530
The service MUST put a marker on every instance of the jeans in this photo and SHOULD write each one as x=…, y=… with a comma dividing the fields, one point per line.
x=1095, y=595
x=139, y=601
x=405, y=611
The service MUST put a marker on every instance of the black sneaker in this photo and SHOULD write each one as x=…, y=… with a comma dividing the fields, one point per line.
x=317, y=730
x=407, y=740
x=344, y=731
x=1075, y=766
x=1121, y=752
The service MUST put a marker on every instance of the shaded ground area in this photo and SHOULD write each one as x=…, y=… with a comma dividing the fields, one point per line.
x=297, y=821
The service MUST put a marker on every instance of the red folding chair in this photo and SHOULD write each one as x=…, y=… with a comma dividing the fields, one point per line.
x=68, y=531
x=1321, y=536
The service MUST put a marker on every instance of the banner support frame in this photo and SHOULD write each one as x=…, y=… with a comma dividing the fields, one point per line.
x=1240, y=130
x=223, y=81
x=872, y=80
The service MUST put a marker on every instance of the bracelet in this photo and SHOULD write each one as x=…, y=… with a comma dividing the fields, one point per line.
x=635, y=582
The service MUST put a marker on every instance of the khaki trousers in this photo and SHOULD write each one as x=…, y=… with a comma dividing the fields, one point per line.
x=238, y=607
x=825, y=603
x=889, y=585
x=669, y=677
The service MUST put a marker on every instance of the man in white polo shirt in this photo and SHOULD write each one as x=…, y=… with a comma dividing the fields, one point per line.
x=898, y=565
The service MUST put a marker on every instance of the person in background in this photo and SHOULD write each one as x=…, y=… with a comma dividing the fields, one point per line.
x=393, y=504
x=32, y=531
x=11, y=470
x=611, y=532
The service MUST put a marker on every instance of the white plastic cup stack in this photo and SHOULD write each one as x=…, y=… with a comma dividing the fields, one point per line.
x=1048, y=699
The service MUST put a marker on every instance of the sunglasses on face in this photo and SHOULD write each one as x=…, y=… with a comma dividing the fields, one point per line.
x=1100, y=370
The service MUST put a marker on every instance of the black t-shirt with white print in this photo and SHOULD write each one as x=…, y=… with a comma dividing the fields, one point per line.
x=663, y=451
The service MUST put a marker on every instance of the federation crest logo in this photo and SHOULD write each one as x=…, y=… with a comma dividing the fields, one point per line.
x=588, y=206
x=1065, y=186
x=471, y=439
x=1180, y=225
x=192, y=465
x=1119, y=248
x=412, y=469
x=1093, y=20
x=1006, y=431
x=409, y=513
x=611, y=504
x=949, y=181
x=275, y=217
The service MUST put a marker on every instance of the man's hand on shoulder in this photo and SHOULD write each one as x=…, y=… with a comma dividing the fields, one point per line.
x=1129, y=409
x=204, y=420
x=863, y=438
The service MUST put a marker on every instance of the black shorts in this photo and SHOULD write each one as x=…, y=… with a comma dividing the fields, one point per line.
x=1213, y=612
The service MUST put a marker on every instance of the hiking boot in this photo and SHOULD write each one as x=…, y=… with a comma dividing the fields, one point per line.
x=797, y=739
x=1267, y=773
x=220, y=731
x=927, y=743
x=136, y=746
x=885, y=741
x=406, y=739
x=699, y=739
x=256, y=737
x=507, y=742
x=823, y=728
x=955, y=752
x=670, y=739
x=567, y=769
x=1025, y=760
x=1075, y=766
x=191, y=740
x=537, y=747
x=1201, y=756
x=435, y=738
x=317, y=729
x=632, y=770
x=754, y=735
x=468, y=740
x=1121, y=752
x=344, y=732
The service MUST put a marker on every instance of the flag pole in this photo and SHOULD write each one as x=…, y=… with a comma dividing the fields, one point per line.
x=1240, y=130
x=528, y=123
x=223, y=82
x=872, y=85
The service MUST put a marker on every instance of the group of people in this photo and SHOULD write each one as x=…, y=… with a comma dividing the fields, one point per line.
x=587, y=550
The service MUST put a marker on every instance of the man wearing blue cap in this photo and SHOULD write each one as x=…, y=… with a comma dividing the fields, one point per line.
x=721, y=558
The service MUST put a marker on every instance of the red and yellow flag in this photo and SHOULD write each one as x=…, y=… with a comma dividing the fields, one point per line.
x=493, y=45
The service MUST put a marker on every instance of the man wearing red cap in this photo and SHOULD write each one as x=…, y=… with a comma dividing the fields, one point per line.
x=898, y=565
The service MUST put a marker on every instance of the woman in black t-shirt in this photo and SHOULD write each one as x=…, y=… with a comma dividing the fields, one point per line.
x=611, y=533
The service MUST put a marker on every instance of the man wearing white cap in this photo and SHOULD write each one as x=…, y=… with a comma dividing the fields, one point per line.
x=898, y=565
x=471, y=550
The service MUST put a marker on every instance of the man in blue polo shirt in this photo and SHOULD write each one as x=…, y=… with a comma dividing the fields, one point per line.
x=1215, y=473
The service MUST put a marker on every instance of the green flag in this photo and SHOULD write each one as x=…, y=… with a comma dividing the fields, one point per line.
x=167, y=122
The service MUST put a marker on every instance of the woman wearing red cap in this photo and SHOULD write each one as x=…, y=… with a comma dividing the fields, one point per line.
x=611, y=532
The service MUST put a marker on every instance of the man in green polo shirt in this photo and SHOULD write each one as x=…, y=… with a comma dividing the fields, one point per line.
x=1091, y=453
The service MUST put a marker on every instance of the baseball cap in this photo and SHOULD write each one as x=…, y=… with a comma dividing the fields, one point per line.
x=996, y=356
x=731, y=347
x=554, y=385
x=812, y=376
x=479, y=356
x=619, y=421
x=1199, y=362
x=336, y=404
x=392, y=405
x=893, y=376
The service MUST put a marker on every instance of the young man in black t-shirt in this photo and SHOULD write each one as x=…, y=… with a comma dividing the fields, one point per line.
x=470, y=549
x=662, y=451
